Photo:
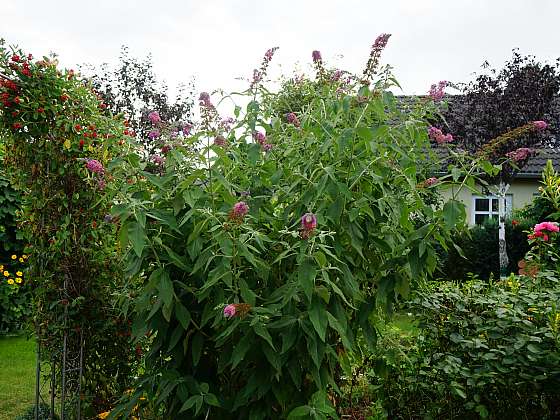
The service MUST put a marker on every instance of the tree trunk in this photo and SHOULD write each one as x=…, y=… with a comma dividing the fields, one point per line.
x=504, y=260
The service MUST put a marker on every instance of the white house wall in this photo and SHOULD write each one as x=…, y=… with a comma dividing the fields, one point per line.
x=522, y=192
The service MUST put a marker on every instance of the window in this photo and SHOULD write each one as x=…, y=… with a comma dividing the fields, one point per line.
x=486, y=207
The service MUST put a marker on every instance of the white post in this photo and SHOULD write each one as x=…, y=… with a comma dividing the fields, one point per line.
x=504, y=260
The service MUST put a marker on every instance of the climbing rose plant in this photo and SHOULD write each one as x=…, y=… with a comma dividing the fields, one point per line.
x=264, y=246
x=59, y=142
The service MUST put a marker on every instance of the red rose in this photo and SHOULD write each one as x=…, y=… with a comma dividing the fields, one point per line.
x=64, y=98
x=81, y=144
x=16, y=58
x=78, y=127
x=40, y=110
x=17, y=126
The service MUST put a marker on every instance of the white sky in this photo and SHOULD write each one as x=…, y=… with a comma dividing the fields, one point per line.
x=216, y=41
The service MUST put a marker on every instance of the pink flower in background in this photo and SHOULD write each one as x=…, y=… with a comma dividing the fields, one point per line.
x=431, y=181
x=540, y=125
x=380, y=42
x=519, y=154
x=158, y=160
x=309, y=221
x=204, y=100
x=154, y=134
x=336, y=75
x=308, y=225
x=154, y=117
x=187, y=129
x=436, y=134
x=292, y=119
x=437, y=91
x=239, y=211
x=95, y=166
x=267, y=147
x=269, y=53
x=549, y=226
x=259, y=137
x=316, y=55
x=101, y=184
x=229, y=311
x=220, y=141
x=226, y=123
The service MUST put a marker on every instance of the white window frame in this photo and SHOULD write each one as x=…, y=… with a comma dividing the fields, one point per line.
x=491, y=214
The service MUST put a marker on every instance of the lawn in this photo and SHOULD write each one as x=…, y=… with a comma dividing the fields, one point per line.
x=17, y=375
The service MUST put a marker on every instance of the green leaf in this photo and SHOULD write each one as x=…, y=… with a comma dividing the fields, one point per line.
x=183, y=315
x=453, y=213
x=298, y=412
x=165, y=287
x=317, y=317
x=261, y=330
x=197, y=343
x=306, y=277
x=191, y=402
x=137, y=236
x=240, y=350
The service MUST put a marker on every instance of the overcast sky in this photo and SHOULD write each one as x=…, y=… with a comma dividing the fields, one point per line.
x=216, y=41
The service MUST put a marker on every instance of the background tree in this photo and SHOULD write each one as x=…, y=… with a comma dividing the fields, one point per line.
x=500, y=117
x=132, y=88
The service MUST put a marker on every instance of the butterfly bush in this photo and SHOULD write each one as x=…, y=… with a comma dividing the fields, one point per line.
x=254, y=317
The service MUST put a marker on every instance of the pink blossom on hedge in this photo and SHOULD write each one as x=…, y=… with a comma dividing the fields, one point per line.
x=316, y=55
x=101, y=184
x=540, y=125
x=154, y=134
x=520, y=154
x=220, y=141
x=548, y=226
x=95, y=166
x=436, y=134
x=269, y=53
x=437, y=91
x=154, y=117
x=308, y=221
x=187, y=129
x=204, y=100
x=292, y=119
x=158, y=160
x=380, y=42
x=267, y=147
x=431, y=181
x=259, y=137
x=240, y=209
x=229, y=311
x=336, y=75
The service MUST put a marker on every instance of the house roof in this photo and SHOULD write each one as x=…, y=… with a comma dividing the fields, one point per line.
x=536, y=163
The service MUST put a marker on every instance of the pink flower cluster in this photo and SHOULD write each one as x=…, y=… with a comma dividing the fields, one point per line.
x=229, y=311
x=436, y=134
x=380, y=42
x=226, y=123
x=316, y=55
x=308, y=225
x=437, y=91
x=261, y=139
x=520, y=154
x=540, y=229
x=220, y=141
x=540, y=125
x=292, y=119
x=154, y=117
x=269, y=54
x=154, y=134
x=204, y=100
x=258, y=74
x=431, y=181
x=239, y=211
x=95, y=166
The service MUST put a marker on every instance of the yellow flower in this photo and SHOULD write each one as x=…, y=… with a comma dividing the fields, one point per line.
x=25, y=256
x=1, y=267
x=19, y=273
x=6, y=273
x=10, y=281
x=14, y=257
x=18, y=280
x=20, y=259
x=103, y=415
x=531, y=310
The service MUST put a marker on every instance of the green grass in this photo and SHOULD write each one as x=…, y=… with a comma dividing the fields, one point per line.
x=17, y=376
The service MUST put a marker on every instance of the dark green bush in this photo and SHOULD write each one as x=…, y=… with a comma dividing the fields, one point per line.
x=479, y=245
x=488, y=350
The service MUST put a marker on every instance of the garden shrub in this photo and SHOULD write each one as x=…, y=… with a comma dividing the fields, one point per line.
x=58, y=141
x=486, y=349
x=44, y=413
x=479, y=250
x=261, y=249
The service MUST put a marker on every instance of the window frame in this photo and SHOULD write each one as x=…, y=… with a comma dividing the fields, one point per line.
x=490, y=213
